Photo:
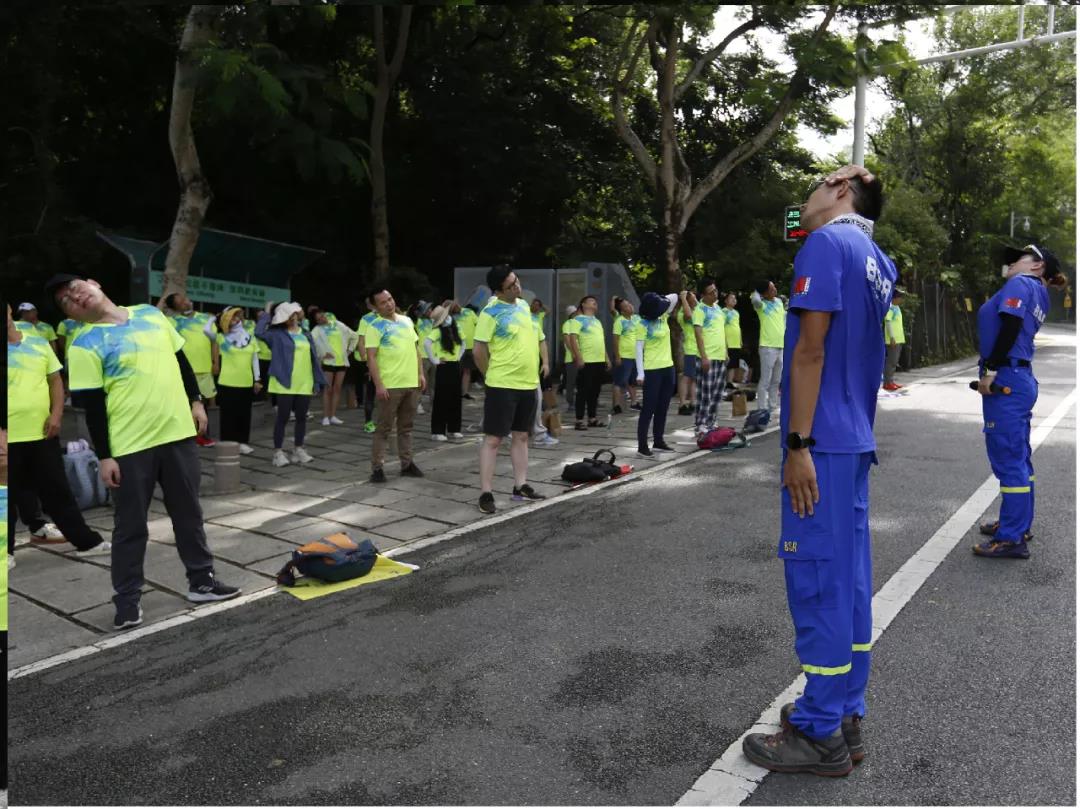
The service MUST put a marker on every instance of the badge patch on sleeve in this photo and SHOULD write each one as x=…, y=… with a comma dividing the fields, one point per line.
x=1014, y=303
x=802, y=285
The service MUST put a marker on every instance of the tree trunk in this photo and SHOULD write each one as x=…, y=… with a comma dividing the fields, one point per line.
x=195, y=193
x=386, y=75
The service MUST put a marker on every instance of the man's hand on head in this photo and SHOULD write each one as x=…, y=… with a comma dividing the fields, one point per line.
x=849, y=172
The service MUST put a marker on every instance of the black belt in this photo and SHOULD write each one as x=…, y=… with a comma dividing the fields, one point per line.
x=1012, y=362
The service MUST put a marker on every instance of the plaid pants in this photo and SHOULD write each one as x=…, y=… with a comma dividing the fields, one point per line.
x=710, y=390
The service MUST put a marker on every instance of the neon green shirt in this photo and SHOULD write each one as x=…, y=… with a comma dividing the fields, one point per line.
x=590, y=334
x=423, y=326
x=135, y=364
x=657, y=337
x=396, y=345
x=894, y=325
x=29, y=363
x=360, y=354
x=626, y=329
x=302, y=381
x=711, y=320
x=732, y=329
x=466, y=323
x=513, y=342
x=196, y=343
x=67, y=329
x=773, y=319
x=41, y=329
x=3, y=559
x=335, y=338
x=435, y=335
x=689, y=344
x=568, y=357
x=262, y=348
x=236, y=363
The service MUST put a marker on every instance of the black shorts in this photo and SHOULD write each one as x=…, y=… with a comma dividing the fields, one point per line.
x=467, y=361
x=330, y=369
x=733, y=357
x=507, y=410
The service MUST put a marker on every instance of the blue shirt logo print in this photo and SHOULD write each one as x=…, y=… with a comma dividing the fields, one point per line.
x=506, y=316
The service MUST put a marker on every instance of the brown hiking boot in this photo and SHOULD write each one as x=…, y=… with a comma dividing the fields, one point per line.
x=850, y=727
x=792, y=751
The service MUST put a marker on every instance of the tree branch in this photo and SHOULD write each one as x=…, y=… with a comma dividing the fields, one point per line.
x=710, y=56
x=402, y=42
x=380, y=40
x=622, y=125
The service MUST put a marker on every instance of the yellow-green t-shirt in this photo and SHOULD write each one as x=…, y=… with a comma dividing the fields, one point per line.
x=360, y=354
x=302, y=381
x=773, y=323
x=334, y=337
x=395, y=342
x=513, y=342
x=626, y=329
x=435, y=335
x=67, y=329
x=423, y=326
x=29, y=363
x=732, y=329
x=466, y=323
x=3, y=559
x=711, y=320
x=568, y=356
x=135, y=364
x=657, y=337
x=41, y=329
x=590, y=334
x=196, y=343
x=236, y=363
x=894, y=325
x=689, y=343
x=261, y=347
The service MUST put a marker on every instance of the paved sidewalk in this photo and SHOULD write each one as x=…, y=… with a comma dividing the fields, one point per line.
x=59, y=602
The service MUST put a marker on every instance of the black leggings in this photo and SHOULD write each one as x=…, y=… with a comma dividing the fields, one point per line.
x=590, y=377
x=365, y=389
x=235, y=406
x=291, y=403
x=446, y=404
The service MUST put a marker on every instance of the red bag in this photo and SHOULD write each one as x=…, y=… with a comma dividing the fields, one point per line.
x=715, y=439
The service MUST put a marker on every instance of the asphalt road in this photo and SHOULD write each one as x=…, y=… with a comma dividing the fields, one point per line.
x=605, y=650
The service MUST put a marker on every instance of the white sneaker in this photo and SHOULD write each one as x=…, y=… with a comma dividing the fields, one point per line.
x=545, y=440
x=438, y=437
x=336, y=420
x=300, y=455
x=326, y=421
x=419, y=409
x=102, y=549
x=280, y=458
x=245, y=449
x=47, y=533
x=457, y=435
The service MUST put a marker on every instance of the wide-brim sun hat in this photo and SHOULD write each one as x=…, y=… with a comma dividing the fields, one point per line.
x=652, y=306
x=225, y=318
x=284, y=311
x=438, y=315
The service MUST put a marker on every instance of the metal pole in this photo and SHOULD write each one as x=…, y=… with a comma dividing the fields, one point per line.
x=858, y=148
x=1001, y=46
x=1050, y=21
x=1012, y=223
x=1020, y=25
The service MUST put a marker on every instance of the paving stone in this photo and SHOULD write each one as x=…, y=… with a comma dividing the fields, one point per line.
x=156, y=605
x=243, y=547
x=371, y=494
x=65, y=584
x=317, y=530
x=358, y=515
x=35, y=633
x=217, y=506
x=438, y=509
x=265, y=520
x=280, y=500
x=412, y=528
x=164, y=570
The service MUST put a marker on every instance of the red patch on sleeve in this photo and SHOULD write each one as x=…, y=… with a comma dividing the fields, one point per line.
x=1014, y=303
x=802, y=285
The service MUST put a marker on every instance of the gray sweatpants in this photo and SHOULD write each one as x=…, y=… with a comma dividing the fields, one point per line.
x=176, y=467
x=892, y=359
x=772, y=366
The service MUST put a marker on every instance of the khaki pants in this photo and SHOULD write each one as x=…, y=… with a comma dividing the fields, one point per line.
x=401, y=407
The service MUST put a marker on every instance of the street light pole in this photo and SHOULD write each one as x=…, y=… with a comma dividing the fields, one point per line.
x=858, y=148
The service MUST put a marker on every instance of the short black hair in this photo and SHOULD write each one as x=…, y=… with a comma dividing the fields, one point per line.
x=497, y=276
x=706, y=283
x=587, y=297
x=375, y=291
x=170, y=299
x=761, y=286
x=867, y=198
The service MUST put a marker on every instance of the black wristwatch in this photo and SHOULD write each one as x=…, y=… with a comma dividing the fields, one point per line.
x=797, y=441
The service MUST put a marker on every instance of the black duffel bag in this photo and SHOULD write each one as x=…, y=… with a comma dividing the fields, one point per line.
x=592, y=470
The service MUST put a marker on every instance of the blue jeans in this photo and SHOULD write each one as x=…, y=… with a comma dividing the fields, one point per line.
x=655, y=400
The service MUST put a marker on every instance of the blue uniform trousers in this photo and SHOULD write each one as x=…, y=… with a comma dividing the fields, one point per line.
x=827, y=569
x=1007, y=429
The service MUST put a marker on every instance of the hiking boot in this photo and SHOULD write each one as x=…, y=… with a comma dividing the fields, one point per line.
x=850, y=728
x=377, y=476
x=526, y=492
x=411, y=471
x=212, y=590
x=487, y=502
x=792, y=751
x=1002, y=550
x=127, y=616
x=988, y=529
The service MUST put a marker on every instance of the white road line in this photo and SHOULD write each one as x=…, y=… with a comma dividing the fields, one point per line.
x=732, y=779
x=152, y=629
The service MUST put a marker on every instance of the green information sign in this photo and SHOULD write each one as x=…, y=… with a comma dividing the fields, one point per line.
x=793, y=229
x=230, y=293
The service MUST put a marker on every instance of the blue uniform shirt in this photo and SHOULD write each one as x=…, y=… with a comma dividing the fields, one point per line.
x=1024, y=297
x=840, y=270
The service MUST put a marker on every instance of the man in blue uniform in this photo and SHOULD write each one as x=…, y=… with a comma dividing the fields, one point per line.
x=1008, y=323
x=833, y=358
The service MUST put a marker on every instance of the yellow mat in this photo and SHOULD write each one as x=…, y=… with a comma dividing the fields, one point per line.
x=306, y=589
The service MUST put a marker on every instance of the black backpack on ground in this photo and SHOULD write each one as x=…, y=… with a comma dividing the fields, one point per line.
x=592, y=470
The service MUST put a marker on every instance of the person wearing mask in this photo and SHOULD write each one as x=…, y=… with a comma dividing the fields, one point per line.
x=655, y=370
x=1007, y=324
x=506, y=345
x=200, y=350
x=624, y=328
x=35, y=410
x=262, y=352
x=143, y=410
x=732, y=336
x=770, y=311
x=834, y=352
x=394, y=364
x=894, y=340
x=443, y=347
x=333, y=342
x=569, y=367
x=365, y=387
x=29, y=321
x=585, y=334
x=684, y=315
x=238, y=375
x=295, y=375
x=708, y=323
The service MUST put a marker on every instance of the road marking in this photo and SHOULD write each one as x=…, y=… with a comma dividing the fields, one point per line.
x=732, y=778
x=113, y=641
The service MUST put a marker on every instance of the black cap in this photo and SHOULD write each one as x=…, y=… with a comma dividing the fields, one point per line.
x=1038, y=252
x=59, y=280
